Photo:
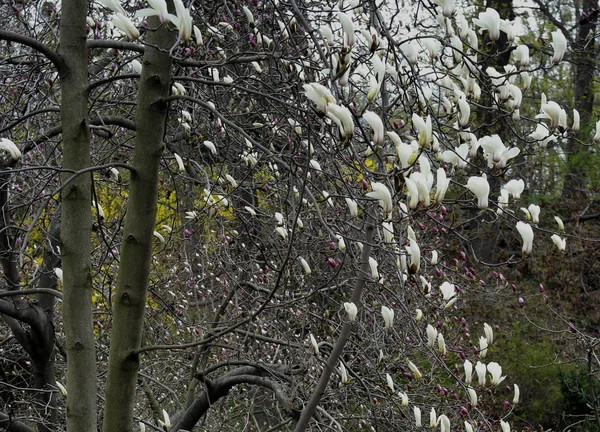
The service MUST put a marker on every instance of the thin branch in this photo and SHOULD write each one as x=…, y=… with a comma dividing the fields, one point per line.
x=43, y=49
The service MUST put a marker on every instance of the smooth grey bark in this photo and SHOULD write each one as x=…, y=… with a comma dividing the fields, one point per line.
x=138, y=236
x=77, y=221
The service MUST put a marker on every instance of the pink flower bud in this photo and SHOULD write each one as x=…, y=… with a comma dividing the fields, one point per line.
x=521, y=302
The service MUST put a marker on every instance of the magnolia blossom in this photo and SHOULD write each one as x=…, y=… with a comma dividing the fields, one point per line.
x=505, y=426
x=472, y=396
x=559, y=43
x=423, y=129
x=10, y=147
x=534, y=211
x=468, y=371
x=320, y=95
x=404, y=398
x=575, y=126
x=433, y=418
x=382, y=193
x=447, y=7
x=448, y=290
x=434, y=257
x=483, y=346
x=419, y=315
x=493, y=146
x=376, y=124
x=114, y=5
x=305, y=266
x=411, y=51
x=489, y=333
x=521, y=55
x=352, y=207
x=348, y=27
x=597, y=134
x=495, y=371
x=551, y=111
x=351, y=310
x=527, y=235
x=343, y=119
x=314, y=344
x=183, y=20
x=442, y=185
x=390, y=382
x=480, y=369
x=388, y=316
x=559, y=222
x=441, y=344
x=343, y=373
x=157, y=8
x=515, y=188
x=561, y=244
x=124, y=24
x=542, y=135
x=373, y=266
x=517, y=394
x=468, y=427
x=414, y=369
x=415, y=256
x=480, y=187
x=490, y=21
x=417, y=412
x=432, y=334
x=444, y=423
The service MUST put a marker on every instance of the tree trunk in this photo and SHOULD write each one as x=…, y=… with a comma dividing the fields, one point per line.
x=584, y=58
x=77, y=222
x=138, y=234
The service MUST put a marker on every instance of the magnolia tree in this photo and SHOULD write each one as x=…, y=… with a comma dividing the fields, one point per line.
x=257, y=215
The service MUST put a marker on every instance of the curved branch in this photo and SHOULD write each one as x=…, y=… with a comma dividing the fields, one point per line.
x=6, y=423
x=32, y=291
x=43, y=49
x=221, y=387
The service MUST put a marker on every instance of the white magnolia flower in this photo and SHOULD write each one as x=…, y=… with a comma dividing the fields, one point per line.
x=468, y=366
x=527, y=235
x=441, y=344
x=483, y=346
x=352, y=207
x=559, y=43
x=448, y=290
x=388, y=316
x=575, y=127
x=561, y=244
x=489, y=333
x=432, y=334
x=534, y=211
x=351, y=310
x=495, y=371
x=472, y=396
x=124, y=24
x=433, y=418
x=390, y=382
x=517, y=394
x=490, y=21
x=376, y=124
x=343, y=373
x=423, y=129
x=314, y=344
x=157, y=8
x=10, y=147
x=417, y=412
x=515, y=187
x=480, y=370
x=414, y=369
x=382, y=193
x=480, y=187
x=559, y=222
x=305, y=266
x=373, y=267
x=505, y=426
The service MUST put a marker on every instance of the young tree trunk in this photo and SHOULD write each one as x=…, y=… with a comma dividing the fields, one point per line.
x=77, y=221
x=136, y=254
